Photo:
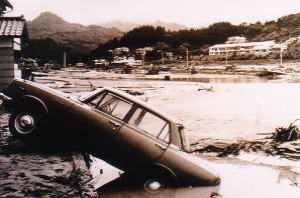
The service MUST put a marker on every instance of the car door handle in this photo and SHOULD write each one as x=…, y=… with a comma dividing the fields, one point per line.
x=161, y=147
x=114, y=124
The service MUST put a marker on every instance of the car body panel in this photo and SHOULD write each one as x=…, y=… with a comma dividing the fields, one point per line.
x=146, y=149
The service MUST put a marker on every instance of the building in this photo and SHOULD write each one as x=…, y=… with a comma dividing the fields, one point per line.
x=124, y=61
x=121, y=50
x=13, y=33
x=144, y=50
x=257, y=48
x=100, y=63
x=236, y=39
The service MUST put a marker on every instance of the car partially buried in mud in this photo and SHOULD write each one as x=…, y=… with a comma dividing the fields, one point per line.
x=145, y=143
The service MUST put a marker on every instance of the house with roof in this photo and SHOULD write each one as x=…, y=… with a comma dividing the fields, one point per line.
x=13, y=33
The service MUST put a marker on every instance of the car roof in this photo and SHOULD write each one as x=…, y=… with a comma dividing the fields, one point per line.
x=136, y=101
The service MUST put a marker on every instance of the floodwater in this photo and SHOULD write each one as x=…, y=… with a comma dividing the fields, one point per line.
x=217, y=107
x=209, y=105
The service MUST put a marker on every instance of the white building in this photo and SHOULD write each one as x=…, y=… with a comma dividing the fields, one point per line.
x=236, y=39
x=264, y=47
x=124, y=61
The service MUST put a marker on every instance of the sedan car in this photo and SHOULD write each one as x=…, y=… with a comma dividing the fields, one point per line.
x=112, y=125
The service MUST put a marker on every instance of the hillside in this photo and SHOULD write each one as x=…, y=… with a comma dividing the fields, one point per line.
x=280, y=30
x=128, y=26
x=168, y=26
x=85, y=38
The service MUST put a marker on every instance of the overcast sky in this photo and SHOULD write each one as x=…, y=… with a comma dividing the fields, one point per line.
x=188, y=12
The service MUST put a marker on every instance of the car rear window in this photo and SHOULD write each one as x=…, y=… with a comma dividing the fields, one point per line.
x=151, y=124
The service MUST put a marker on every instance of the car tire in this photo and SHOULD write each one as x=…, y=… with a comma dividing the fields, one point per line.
x=159, y=187
x=134, y=184
x=159, y=184
x=26, y=124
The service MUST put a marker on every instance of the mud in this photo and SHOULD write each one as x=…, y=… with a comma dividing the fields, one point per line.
x=29, y=169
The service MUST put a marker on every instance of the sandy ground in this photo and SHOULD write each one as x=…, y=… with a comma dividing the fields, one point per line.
x=216, y=108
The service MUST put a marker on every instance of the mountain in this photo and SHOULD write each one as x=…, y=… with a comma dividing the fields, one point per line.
x=120, y=25
x=73, y=35
x=169, y=26
x=127, y=26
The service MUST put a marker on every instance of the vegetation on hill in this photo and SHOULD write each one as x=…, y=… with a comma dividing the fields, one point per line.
x=199, y=39
x=52, y=35
x=75, y=36
x=49, y=51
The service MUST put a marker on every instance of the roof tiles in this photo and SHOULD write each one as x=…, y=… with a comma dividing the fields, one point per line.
x=11, y=27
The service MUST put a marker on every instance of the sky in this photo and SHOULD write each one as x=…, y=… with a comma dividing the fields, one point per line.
x=192, y=13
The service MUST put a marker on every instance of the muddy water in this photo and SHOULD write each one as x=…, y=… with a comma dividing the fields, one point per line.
x=229, y=111
x=233, y=110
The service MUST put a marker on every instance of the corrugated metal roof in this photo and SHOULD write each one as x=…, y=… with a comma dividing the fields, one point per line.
x=12, y=27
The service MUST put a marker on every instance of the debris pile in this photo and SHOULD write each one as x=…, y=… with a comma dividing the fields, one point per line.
x=289, y=150
x=134, y=92
x=285, y=142
x=206, y=88
x=291, y=133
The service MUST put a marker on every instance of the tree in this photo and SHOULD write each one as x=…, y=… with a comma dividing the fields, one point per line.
x=45, y=50
x=143, y=36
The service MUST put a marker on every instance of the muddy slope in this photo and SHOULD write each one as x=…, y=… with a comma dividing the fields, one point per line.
x=29, y=170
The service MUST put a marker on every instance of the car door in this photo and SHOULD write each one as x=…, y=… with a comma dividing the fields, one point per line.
x=111, y=111
x=99, y=120
x=144, y=137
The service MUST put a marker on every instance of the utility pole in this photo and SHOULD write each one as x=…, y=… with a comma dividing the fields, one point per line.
x=226, y=58
x=187, y=57
x=281, y=52
x=162, y=58
x=65, y=59
x=143, y=58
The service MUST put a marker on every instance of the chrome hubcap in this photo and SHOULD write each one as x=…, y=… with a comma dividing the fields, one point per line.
x=153, y=186
x=24, y=123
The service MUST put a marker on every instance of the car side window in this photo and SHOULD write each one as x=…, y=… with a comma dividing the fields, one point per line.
x=151, y=124
x=114, y=106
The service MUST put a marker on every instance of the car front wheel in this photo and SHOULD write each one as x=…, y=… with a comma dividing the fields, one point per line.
x=25, y=124
x=159, y=184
